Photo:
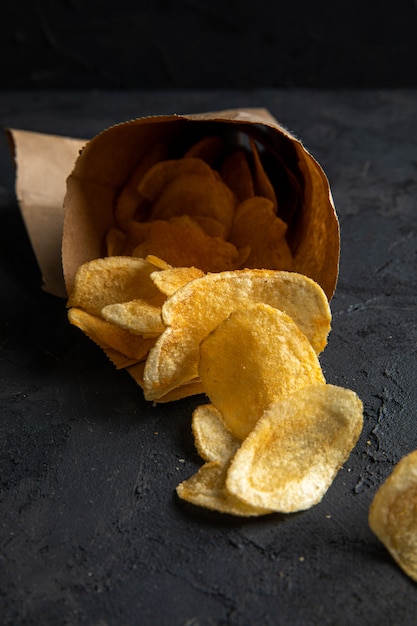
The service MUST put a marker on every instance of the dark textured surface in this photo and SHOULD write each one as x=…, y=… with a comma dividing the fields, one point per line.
x=208, y=44
x=90, y=529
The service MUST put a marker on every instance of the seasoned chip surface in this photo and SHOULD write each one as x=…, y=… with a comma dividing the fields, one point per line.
x=256, y=356
x=199, y=306
x=393, y=514
x=291, y=457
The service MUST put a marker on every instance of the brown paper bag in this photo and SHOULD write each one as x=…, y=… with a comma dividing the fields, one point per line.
x=43, y=163
x=48, y=169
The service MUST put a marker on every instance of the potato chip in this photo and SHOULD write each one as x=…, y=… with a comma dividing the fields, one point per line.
x=183, y=246
x=206, y=488
x=257, y=356
x=199, y=306
x=256, y=226
x=170, y=280
x=115, y=242
x=209, y=225
x=393, y=514
x=211, y=437
x=107, y=335
x=129, y=199
x=192, y=388
x=193, y=194
x=161, y=174
x=159, y=263
x=262, y=184
x=290, y=459
x=236, y=173
x=112, y=280
x=137, y=316
x=136, y=369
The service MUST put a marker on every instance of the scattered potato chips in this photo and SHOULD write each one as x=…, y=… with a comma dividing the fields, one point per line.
x=206, y=488
x=256, y=356
x=198, y=307
x=289, y=460
x=393, y=514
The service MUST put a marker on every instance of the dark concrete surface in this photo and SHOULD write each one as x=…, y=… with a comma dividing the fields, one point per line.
x=90, y=529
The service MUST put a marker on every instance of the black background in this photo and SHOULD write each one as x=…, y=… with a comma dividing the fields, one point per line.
x=160, y=44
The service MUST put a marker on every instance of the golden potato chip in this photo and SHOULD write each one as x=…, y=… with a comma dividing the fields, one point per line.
x=136, y=369
x=236, y=173
x=112, y=280
x=129, y=199
x=208, y=149
x=188, y=221
x=159, y=263
x=192, y=388
x=135, y=234
x=289, y=460
x=182, y=246
x=256, y=226
x=199, y=306
x=211, y=437
x=119, y=360
x=170, y=280
x=206, y=488
x=193, y=194
x=393, y=514
x=209, y=225
x=107, y=335
x=262, y=184
x=257, y=356
x=161, y=174
x=137, y=316
x=115, y=242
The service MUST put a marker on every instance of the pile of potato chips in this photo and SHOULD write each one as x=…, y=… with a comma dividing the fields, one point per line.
x=212, y=208
x=196, y=295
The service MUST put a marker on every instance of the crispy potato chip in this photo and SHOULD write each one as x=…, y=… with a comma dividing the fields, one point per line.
x=182, y=246
x=199, y=306
x=115, y=242
x=192, y=388
x=135, y=369
x=112, y=280
x=161, y=174
x=158, y=262
x=193, y=194
x=188, y=221
x=393, y=514
x=206, y=488
x=129, y=199
x=170, y=280
x=236, y=173
x=209, y=225
x=208, y=149
x=135, y=234
x=107, y=335
x=262, y=184
x=211, y=437
x=256, y=226
x=257, y=356
x=119, y=360
x=289, y=460
x=137, y=316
